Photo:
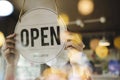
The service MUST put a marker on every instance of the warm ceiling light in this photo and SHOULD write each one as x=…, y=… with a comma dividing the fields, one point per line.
x=6, y=8
x=2, y=39
x=85, y=7
x=104, y=42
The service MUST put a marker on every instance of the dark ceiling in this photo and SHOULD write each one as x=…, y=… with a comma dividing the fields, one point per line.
x=110, y=9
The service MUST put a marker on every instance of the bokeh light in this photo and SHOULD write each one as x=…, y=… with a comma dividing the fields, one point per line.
x=117, y=42
x=6, y=8
x=102, y=19
x=94, y=43
x=101, y=51
x=2, y=39
x=85, y=7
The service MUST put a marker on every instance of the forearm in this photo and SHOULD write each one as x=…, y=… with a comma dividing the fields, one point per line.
x=10, y=72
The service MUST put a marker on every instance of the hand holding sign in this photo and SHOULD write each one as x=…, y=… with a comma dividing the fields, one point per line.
x=9, y=51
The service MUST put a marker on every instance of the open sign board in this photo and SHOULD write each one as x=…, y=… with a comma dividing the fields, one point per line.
x=39, y=35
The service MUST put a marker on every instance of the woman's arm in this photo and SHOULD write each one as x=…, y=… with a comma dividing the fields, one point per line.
x=11, y=57
x=10, y=72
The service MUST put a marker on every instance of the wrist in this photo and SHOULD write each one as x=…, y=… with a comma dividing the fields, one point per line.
x=11, y=66
x=10, y=72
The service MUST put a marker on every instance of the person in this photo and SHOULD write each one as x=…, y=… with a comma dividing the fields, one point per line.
x=74, y=45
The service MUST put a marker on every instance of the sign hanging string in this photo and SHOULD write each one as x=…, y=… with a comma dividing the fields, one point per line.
x=56, y=7
x=24, y=1
x=21, y=11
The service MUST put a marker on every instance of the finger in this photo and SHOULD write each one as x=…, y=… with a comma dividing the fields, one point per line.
x=10, y=41
x=4, y=48
x=10, y=47
x=78, y=47
x=6, y=52
x=9, y=51
x=71, y=44
x=13, y=51
x=82, y=44
x=68, y=44
x=11, y=36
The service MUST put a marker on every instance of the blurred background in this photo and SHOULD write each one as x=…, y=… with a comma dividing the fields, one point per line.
x=99, y=17
x=97, y=21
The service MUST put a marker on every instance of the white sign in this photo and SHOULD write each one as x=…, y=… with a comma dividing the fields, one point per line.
x=39, y=35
